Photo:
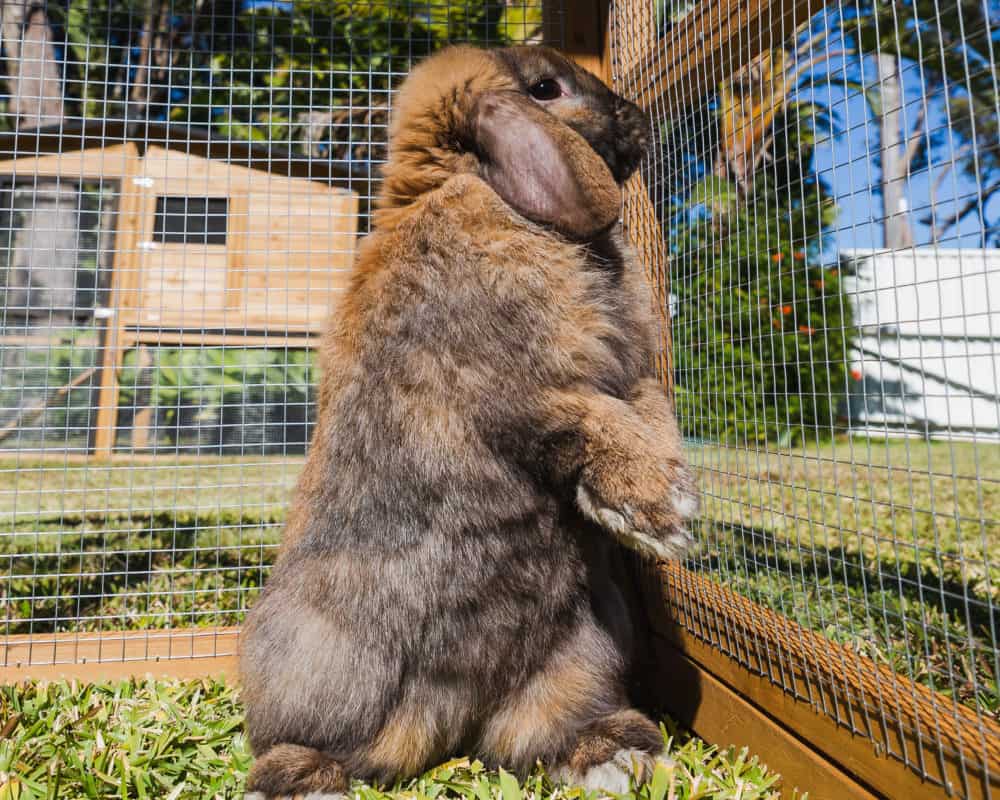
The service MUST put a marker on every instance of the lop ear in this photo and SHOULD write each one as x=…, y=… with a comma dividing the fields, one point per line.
x=542, y=168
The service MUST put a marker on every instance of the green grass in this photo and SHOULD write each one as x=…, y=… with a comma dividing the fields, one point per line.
x=891, y=548
x=921, y=507
x=146, y=573
x=184, y=739
x=203, y=490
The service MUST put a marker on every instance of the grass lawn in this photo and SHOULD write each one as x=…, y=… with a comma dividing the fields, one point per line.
x=892, y=547
x=184, y=739
x=899, y=503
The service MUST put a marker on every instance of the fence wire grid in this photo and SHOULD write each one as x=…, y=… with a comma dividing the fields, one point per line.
x=182, y=186
x=826, y=181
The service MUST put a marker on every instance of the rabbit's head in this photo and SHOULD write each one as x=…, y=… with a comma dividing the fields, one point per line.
x=552, y=140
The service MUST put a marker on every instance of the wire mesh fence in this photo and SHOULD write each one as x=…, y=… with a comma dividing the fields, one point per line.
x=182, y=185
x=826, y=180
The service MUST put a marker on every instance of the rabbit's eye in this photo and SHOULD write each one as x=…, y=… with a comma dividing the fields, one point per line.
x=547, y=89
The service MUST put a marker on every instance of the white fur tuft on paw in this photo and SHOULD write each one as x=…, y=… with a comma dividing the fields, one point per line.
x=686, y=503
x=586, y=504
x=607, y=777
x=614, y=776
x=661, y=758
x=674, y=547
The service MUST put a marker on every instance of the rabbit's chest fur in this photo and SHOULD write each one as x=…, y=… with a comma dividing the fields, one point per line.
x=440, y=356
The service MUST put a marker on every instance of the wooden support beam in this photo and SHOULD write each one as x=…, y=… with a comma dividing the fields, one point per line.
x=897, y=737
x=579, y=29
x=111, y=655
x=712, y=41
x=644, y=230
x=155, y=337
x=706, y=705
x=114, y=338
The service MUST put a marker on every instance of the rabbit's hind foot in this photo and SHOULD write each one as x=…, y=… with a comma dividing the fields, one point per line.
x=294, y=772
x=616, y=775
x=310, y=796
x=612, y=753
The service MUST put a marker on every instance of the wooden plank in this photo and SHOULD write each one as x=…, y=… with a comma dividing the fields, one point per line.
x=114, y=339
x=873, y=722
x=45, y=339
x=718, y=714
x=104, y=655
x=183, y=281
x=579, y=28
x=194, y=338
x=632, y=35
x=99, y=163
x=182, y=669
x=28, y=459
x=712, y=41
x=643, y=229
x=236, y=242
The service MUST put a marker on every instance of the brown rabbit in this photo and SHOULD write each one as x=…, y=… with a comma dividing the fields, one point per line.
x=487, y=419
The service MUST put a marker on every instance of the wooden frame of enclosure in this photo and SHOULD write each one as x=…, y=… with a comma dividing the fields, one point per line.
x=290, y=233
x=701, y=635
x=853, y=727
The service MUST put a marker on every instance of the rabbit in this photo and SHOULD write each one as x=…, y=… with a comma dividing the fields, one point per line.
x=489, y=429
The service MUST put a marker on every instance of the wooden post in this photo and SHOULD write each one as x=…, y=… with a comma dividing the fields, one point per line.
x=124, y=267
x=144, y=414
x=585, y=30
x=579, y=28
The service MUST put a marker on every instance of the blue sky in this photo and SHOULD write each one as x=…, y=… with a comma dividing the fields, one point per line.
x=847, y=163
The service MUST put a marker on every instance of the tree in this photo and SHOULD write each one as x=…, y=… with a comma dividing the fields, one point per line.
x=316, y=75
x=951, y=49
x=34, y=75
x=896, y=156
x=761, y=334
x=41, y=271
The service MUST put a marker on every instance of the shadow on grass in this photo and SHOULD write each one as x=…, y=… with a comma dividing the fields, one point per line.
x=909, y=580
x=937, y=631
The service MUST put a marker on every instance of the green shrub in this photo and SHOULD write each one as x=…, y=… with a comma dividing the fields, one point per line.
x=31, y=376
x=762, y=325
x=212, y=393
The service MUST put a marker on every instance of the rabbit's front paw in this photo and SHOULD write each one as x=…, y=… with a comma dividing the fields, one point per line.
x=650, y=514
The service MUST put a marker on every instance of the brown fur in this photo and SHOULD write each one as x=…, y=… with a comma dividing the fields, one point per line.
x=291, y=769
x=487, y=419
x=623, y=730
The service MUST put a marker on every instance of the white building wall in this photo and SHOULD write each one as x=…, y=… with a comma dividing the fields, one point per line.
x=928, y=355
